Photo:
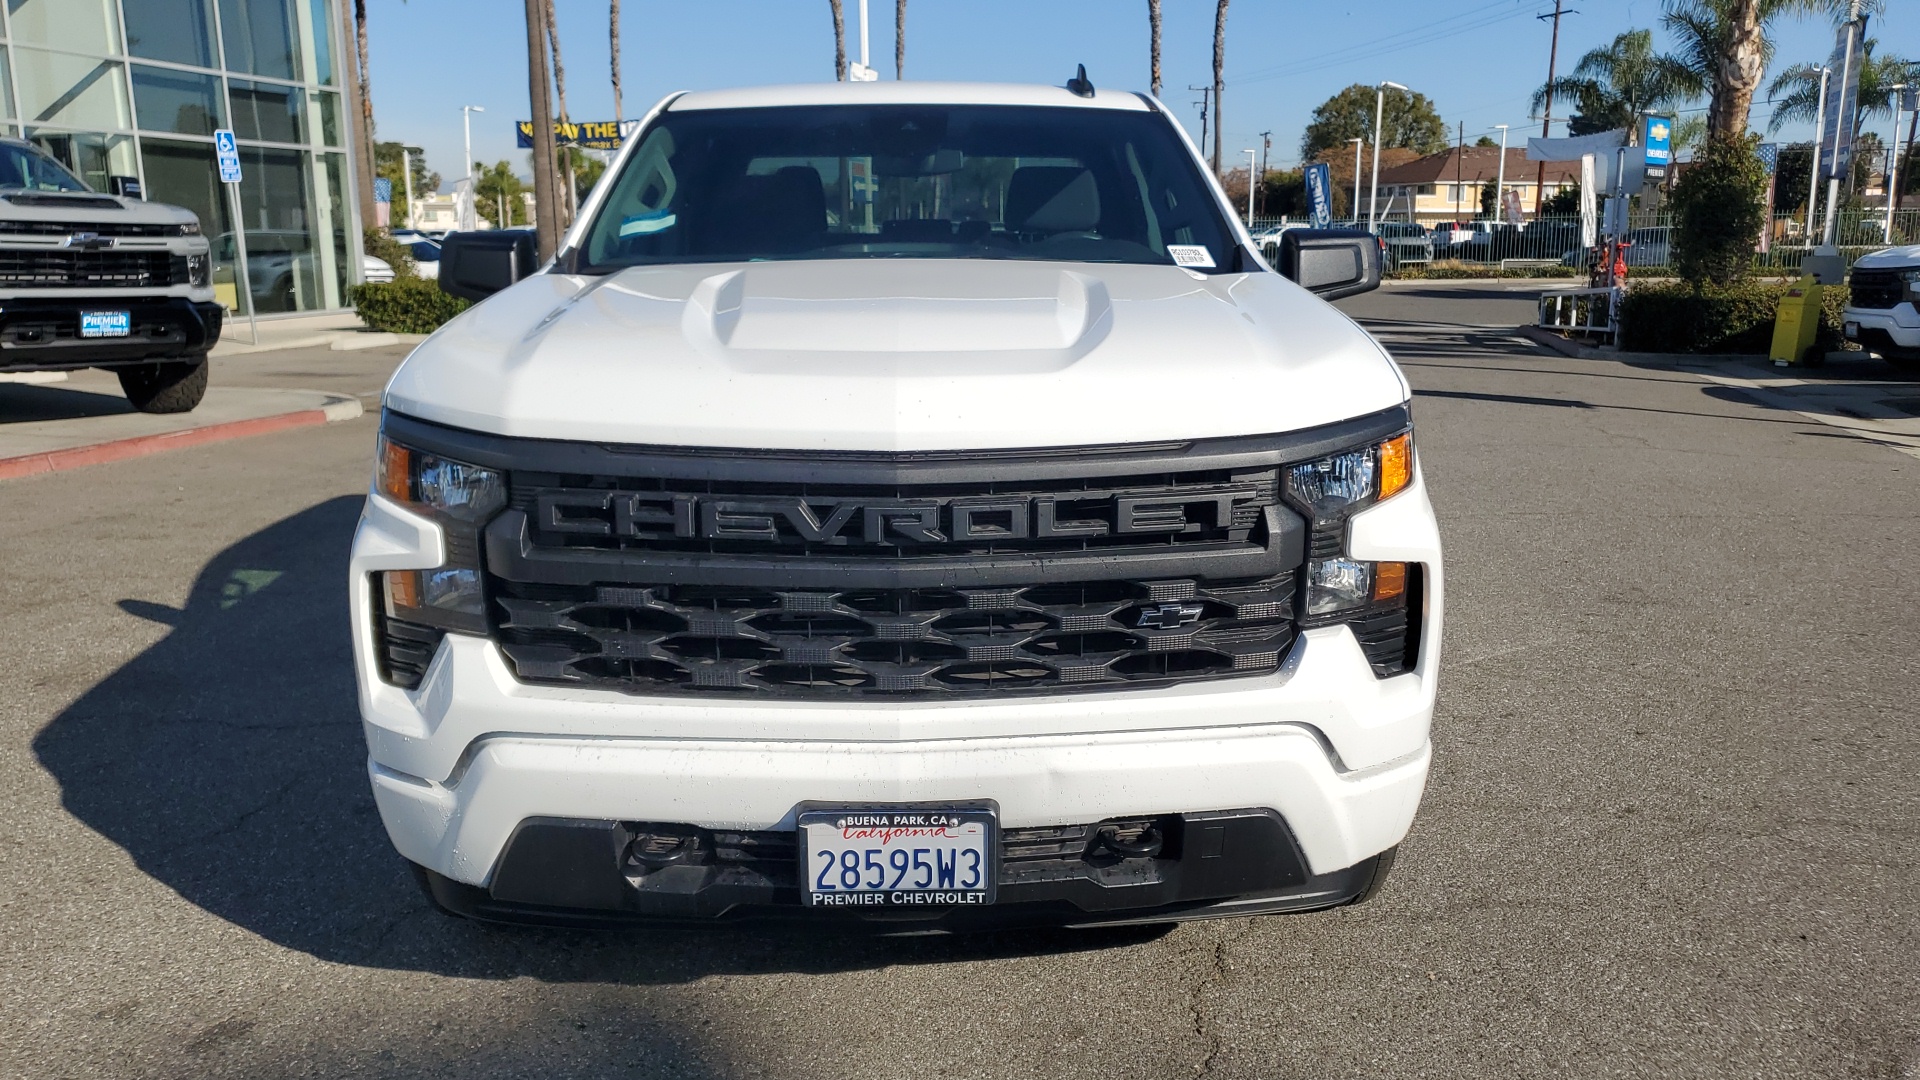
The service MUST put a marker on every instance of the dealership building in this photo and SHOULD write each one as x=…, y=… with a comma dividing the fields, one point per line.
x=128, y=91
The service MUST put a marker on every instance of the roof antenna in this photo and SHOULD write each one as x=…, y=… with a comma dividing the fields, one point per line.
x=1079, y=85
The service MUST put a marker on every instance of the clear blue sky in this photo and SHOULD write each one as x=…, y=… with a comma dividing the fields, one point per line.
x=1479, y=60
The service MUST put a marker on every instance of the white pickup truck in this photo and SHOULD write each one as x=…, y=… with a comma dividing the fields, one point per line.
x=91, y=280
x=906, y=503
x=1883, y=308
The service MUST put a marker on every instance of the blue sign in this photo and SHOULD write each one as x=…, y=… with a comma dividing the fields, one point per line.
x=229, y=156
x=1658, y=140
x=1320, y=194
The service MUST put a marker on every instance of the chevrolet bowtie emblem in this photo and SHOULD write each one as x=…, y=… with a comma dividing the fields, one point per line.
x=1170, y=616
x=89, y=240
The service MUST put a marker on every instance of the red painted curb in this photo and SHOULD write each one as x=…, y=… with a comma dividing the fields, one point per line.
x=142, y=445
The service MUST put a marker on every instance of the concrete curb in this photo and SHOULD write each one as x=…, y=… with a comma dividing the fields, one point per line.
x=1578, y=351
x=335, y=410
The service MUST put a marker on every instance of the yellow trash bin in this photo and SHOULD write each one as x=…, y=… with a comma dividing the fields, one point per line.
x=1797, y=323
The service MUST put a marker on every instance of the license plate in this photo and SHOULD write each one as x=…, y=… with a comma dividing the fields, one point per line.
x=898, y=856
x=105, y=324
x=1852, y=330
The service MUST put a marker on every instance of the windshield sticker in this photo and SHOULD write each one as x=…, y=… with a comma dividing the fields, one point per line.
x=657, y=221
x=1191, y=255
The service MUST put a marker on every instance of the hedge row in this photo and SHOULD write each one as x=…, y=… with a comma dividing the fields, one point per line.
x=1674, y=317
x=1445, y=271
x=406, y=305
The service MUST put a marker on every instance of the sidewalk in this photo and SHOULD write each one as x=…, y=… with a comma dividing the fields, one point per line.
x=339, y=331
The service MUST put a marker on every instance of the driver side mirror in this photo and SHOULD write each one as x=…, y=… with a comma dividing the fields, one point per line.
x=1330, y=263
x=475, y=265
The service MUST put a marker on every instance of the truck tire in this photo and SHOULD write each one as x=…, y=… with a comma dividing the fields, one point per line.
x=173, y=386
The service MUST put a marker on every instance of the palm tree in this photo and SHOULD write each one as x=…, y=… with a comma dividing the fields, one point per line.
x=1796, y=91
x=1725, y=42
x=613, y=39
x=899, y=39
x=560, y=98
x=1219, y=65
x=366, y=94
x=1153, y=28
x=839, y=41
x=1613, y=84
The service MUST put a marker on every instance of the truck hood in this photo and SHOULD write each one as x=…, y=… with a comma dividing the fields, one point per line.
x=897, y=355
x=21, y=205
x=1893, y=258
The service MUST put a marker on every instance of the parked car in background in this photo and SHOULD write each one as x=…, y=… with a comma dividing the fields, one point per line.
x=375, y=271
x=1651, y=246
x=1884, y=312
x=1267, y=239
x=426, y=256
x=1405, y=242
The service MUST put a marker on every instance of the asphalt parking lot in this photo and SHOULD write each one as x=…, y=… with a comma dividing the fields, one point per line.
x=1670, y=830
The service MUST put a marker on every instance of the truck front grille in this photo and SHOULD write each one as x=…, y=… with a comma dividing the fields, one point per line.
x=1877, y=289
x=814, y=642
x=63, y=269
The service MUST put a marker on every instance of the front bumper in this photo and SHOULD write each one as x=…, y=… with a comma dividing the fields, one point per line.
x=1897, y=327
x=1334, y=755
x=43, y=333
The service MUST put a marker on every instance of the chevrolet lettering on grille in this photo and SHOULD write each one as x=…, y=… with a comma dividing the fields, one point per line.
x=841, y=522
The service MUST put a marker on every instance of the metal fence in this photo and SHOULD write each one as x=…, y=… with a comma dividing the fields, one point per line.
x=1555, y=240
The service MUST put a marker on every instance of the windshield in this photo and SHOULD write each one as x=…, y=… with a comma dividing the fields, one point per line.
x=970, y=181
x=34, y=171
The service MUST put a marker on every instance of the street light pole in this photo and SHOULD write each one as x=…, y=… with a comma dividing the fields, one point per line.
x=466, y=121
x=1379, y=117
x=1253, y=158
x=1354, y=211
x=1500, y=185
x=1893, y=167
x=406, y=173
x=1813, y=167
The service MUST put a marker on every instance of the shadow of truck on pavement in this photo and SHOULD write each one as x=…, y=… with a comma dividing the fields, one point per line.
x=228, y=761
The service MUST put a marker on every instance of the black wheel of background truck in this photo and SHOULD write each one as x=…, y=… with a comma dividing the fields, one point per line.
x=172, y=386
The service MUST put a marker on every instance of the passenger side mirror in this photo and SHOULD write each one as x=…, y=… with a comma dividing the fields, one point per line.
x=1330, y=263
x=475, y=265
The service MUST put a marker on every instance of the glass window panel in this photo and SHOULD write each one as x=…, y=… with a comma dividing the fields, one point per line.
x=259, y=36
x=329, y=105
x=80, y=25
x=335, y=219
x=268, y=112
x=277, y=204
x=166, y=100
x=71, y=91
x=185, y=174
x=177, y=30
x=94, y=158
x=320, y=17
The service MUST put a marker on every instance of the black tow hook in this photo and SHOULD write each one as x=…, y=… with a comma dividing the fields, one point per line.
x=659, y=850
x=1130, y=842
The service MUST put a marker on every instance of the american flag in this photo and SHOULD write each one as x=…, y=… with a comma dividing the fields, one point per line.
x=382, y=189
x=1770, y=156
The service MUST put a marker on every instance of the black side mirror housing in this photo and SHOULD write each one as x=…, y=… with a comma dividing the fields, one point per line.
x=475, y=265
x=1330, y=263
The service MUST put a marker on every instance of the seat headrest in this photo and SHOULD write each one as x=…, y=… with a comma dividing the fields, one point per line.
x=1052, y=199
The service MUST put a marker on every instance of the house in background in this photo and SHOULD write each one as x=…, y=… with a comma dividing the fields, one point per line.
x=1446, y=186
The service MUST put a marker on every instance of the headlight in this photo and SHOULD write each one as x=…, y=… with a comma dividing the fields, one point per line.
x=199, y=269
x=1372, y=596
x=461, y=497
x=187, y=228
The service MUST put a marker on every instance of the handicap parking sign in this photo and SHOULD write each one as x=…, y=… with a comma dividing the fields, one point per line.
x=229, y=156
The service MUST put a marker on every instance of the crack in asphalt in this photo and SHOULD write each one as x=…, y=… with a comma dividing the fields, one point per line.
x=1214, y=973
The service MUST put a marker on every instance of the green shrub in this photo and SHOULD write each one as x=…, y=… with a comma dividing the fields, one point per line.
x=1449, y=269
x=1718, y=211
x=406, y=305
x=1674, y=317
x=384, y=247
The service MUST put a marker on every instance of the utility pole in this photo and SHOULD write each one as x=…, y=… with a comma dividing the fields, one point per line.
x=1206, y=98
x=1354, y=211
x=1854, y=26
x=546, y=198
x=1266, y=151
x=1459, y=168
x=1546, y=123
x=1813, y=167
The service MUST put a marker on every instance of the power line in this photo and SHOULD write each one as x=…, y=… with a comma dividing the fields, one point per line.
x=1398, y=41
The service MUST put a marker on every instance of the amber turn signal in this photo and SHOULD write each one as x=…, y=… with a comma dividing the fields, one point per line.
x=1389, y=580
x=396, y=471
x=1396, y=464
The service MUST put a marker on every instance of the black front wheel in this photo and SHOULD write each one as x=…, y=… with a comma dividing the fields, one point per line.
x=173, y=386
